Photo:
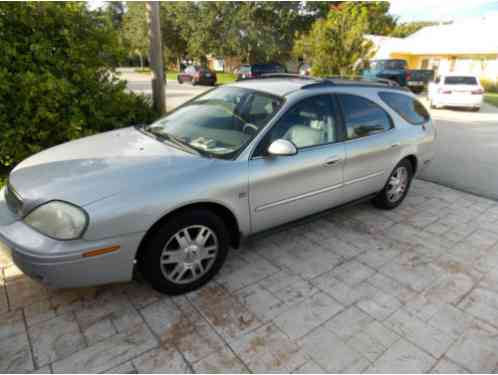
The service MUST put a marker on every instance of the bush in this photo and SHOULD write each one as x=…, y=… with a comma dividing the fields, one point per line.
x=56, y=78
x=489, y=86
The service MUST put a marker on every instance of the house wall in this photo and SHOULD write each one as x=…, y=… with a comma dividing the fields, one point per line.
x=485, y=66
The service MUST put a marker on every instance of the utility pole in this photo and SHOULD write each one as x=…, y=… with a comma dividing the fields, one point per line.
x=156, y=57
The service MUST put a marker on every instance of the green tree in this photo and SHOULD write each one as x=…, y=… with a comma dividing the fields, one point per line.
x=56, y=78
x=136, y=30
x=405, y=29
x=174, y=29
x=254, y=31
x=336, y=45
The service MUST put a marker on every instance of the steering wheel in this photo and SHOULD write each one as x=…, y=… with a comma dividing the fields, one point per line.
x=247, y=126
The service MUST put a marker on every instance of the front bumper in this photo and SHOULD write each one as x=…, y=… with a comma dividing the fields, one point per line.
x=60, y=263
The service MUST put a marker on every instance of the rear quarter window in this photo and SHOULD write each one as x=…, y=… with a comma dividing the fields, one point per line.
x=407, y=107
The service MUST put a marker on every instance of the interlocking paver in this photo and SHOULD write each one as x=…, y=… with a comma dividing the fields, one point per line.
x=402, y=357
x=16, y=354
x=219, y=362
x=349, y=322
x=55, y=339
x=108, y=353
x=332, y=354
x=267, y=349
x=373, y=341
x=409, y=290
x=429, y=338
x=444, y=366
x=162, y=360
x=310, y=313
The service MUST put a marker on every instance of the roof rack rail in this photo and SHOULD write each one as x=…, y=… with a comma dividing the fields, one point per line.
x=353, y=80
x=286, y=75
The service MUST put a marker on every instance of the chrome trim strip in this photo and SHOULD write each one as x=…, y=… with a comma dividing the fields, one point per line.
x=297, y=197
x=367, y=177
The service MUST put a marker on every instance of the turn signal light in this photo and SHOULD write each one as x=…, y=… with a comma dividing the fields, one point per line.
x=478, y=92
x=104, y=250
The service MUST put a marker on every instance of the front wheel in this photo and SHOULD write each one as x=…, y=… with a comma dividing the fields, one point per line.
x=396, y=188
x=185, y=252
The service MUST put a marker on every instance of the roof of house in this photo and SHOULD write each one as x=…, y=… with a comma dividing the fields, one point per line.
x=477, y=36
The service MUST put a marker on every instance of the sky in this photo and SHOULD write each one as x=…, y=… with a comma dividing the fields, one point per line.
x=425, y=10
x=442, y=10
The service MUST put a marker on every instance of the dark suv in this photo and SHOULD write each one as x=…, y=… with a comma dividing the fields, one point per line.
x=247, y=71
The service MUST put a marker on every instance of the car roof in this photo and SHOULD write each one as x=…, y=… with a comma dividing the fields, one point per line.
x=274, y=86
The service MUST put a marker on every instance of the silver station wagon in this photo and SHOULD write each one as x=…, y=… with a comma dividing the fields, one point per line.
x=171, y=198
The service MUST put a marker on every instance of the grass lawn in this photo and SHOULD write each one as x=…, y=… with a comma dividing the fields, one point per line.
x=491, y=98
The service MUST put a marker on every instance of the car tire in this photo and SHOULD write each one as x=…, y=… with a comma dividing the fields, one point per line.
x=194, y=82
x=170, y=251
x=180, y=81
x=476, y=109
x=396, y=188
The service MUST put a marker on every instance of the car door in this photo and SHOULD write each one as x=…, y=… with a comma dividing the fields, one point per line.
x=284, y=188
x=372, y=147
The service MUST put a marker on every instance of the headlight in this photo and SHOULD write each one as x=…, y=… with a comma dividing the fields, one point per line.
x=59, y=220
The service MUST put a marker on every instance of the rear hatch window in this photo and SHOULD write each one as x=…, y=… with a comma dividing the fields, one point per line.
x=460, y=80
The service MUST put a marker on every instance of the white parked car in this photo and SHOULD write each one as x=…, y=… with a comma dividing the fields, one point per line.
x=456, y=90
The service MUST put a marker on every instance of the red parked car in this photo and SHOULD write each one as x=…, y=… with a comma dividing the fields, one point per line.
x=197, y=75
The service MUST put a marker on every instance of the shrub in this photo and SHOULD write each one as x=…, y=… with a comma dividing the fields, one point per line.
x=56, y=78
x=489, y=85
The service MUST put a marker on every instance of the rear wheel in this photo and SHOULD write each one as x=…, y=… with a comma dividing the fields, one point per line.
x=397, y=186
x=476, y=109
x=180, y=81
x=185, y=252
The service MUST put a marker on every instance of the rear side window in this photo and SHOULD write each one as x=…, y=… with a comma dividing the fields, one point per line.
x=463, y=80
x=363, y=117
x=407, y=107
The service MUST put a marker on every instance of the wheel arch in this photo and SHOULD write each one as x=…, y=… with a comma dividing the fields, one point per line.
x=413, y=161
x=221, y=210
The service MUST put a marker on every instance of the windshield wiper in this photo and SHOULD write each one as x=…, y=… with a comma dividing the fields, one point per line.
x=178, y=142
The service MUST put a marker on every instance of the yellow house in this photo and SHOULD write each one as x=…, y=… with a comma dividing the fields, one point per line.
x=469, y=47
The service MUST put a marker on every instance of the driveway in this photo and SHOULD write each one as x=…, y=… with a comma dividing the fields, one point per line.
x=414, y=289
x=466, y=150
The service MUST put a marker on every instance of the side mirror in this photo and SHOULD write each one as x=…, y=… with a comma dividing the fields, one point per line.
x=282, y=147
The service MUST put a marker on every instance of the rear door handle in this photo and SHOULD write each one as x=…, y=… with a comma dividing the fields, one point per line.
x=394, y=145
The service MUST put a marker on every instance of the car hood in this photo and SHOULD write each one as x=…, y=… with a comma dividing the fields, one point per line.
x=96, y=167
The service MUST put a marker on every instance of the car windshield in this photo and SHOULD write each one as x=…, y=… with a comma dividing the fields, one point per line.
x=460, y=80
x=219, y=123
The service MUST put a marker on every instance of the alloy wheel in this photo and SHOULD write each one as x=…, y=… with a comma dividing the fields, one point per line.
x=189, y=254
x=397, y=184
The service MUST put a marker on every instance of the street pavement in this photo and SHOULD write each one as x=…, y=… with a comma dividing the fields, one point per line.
x=176, y=93
x=354, y=290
